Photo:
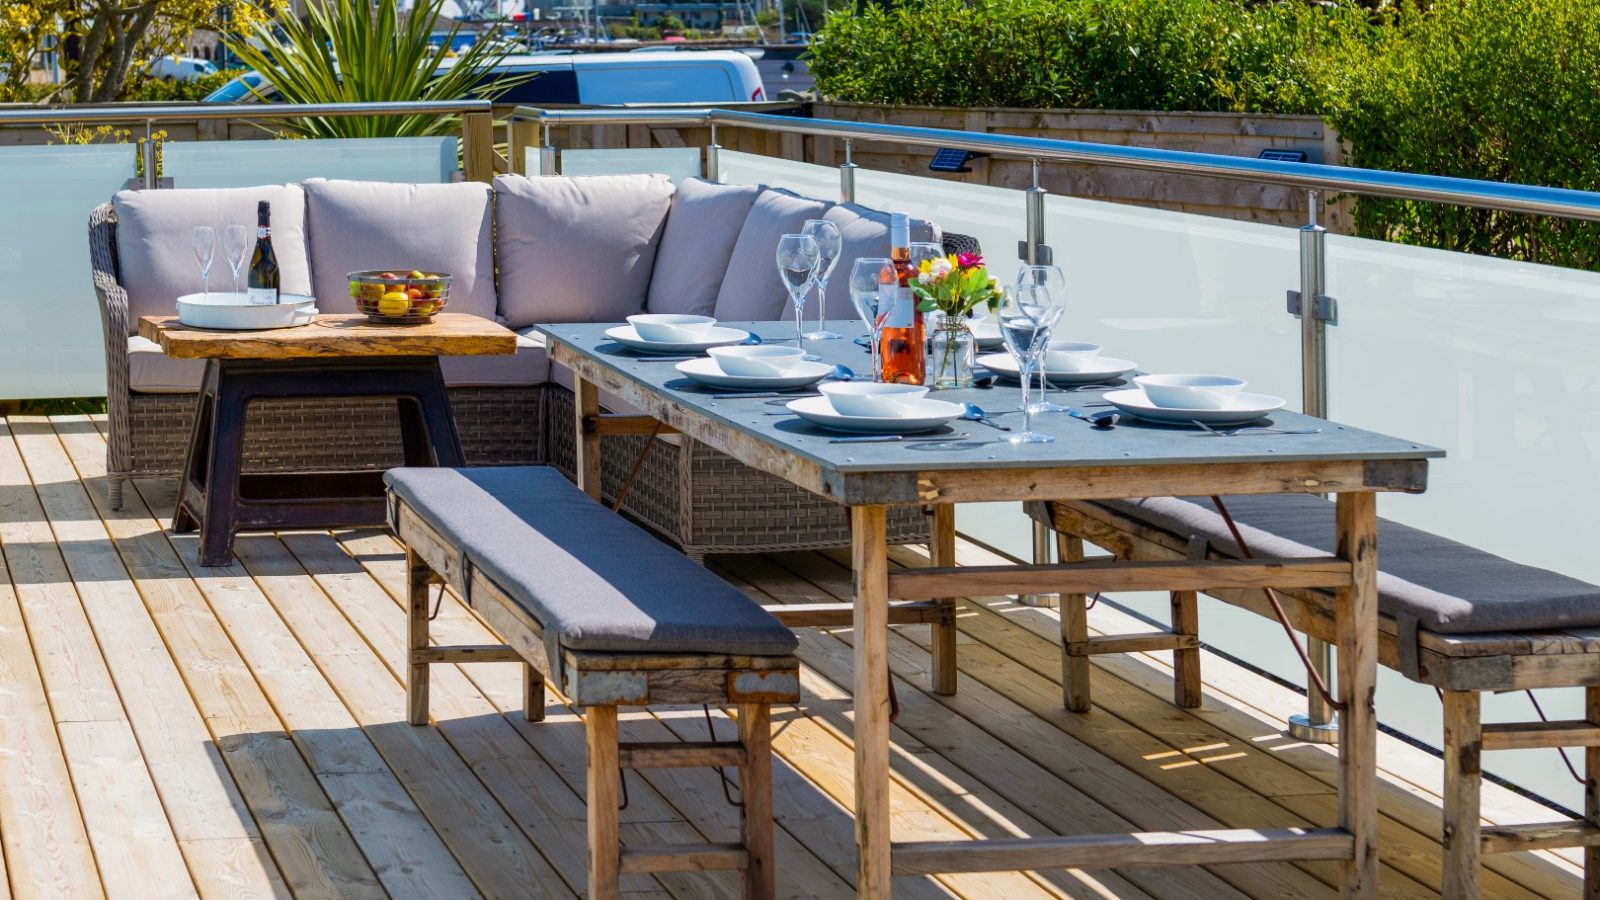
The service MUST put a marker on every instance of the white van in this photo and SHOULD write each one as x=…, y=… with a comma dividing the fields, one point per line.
x=606, y=79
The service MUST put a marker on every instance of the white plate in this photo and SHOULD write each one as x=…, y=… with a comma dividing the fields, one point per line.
x=1095, y=369
x=716, y=336
x=1244, y=409
x=926, y=415
x=230, y=312
x=706, y=371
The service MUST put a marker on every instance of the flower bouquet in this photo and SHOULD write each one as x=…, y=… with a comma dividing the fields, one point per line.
x=953, y=286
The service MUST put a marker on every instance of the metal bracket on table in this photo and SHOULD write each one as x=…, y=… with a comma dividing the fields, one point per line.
x=1326, y=308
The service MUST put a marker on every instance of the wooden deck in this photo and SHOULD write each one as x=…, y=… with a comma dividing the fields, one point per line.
x=168, y=730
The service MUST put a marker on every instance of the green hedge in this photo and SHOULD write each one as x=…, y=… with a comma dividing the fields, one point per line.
x=1502, y=90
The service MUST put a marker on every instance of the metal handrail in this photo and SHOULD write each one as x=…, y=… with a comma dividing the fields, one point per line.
x=106, y=115
x=1547, y=201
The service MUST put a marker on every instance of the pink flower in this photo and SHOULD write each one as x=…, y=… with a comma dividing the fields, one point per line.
x=969, y=260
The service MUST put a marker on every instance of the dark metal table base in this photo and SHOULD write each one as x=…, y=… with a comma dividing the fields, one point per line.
x=219, y=500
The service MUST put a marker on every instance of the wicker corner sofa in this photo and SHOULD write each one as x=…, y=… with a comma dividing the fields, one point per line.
x=697, y=498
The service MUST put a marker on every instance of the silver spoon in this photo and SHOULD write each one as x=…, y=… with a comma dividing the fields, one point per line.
x=1105, y=419
x=843, y=373
x=975, y=413
x=1236, y=432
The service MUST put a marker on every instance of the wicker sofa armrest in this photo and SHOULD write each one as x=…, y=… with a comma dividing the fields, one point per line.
x=114, y=324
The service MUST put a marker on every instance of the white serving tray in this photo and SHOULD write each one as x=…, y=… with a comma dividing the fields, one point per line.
x=230, y=312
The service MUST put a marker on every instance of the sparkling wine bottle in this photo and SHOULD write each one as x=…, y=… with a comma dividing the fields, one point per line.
x=262, y=286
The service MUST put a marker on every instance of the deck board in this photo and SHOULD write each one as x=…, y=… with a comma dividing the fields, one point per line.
x=264, y=751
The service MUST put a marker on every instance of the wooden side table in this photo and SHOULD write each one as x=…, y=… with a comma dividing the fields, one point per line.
x=334, y=356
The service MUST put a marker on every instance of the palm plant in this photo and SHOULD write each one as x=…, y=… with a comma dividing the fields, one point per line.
x=352, y=51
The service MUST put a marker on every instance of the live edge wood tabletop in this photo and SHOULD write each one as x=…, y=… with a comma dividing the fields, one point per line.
x=336, y=335
x=965, y=464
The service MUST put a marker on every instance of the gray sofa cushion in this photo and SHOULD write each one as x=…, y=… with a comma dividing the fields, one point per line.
x=155, y=231
x=577, y=249
x=152, y=372
x=355, y=225
x=862, y=232
x=594, y=580
x=1448, y=587
x=697, y=244
x=751, y=289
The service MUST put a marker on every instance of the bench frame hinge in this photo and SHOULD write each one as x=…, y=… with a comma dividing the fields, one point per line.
x=1326, y=308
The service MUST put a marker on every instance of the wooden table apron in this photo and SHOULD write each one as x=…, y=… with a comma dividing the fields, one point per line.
x=344, y=359
x=1351, y=572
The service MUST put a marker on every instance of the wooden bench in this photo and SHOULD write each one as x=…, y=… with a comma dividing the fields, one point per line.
x=614, y=618
x=1453, y=616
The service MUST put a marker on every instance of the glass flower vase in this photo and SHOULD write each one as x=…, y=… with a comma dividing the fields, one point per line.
x=950, y=355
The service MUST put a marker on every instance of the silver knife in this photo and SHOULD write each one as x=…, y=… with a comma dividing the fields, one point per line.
x=870, y=439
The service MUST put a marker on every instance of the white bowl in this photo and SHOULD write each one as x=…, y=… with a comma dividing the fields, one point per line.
x=1069, y=356
x=667, y=328
x=234, y=311
x=872, y=399
x=1190, y=391
x=759, y=361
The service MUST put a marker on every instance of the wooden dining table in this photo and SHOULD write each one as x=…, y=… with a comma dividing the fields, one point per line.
x=332, y=356
x=966, y=462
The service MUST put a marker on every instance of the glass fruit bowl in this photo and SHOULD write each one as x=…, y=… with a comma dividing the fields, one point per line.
x=400, y=297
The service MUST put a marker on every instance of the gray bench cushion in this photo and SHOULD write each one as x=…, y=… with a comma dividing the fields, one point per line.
x=594, y=580
x=1449, y=588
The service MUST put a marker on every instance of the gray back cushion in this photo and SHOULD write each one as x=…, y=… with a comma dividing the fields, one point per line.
x=751, y=289
x=862, y=232
x=1450, y=588
x=155, y=231
x=698, y=242
x=577, y=249
x=594, y=580
x=357, y=225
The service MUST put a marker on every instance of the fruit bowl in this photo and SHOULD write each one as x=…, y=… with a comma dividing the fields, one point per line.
x=400, y=298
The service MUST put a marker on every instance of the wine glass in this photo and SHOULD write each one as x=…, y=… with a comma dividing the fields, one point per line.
x=1027, y=314
x=798, y=258
x=868, y=277
x=1051, y=280
x=234, y=243
x=826, y=234
x=205, y=247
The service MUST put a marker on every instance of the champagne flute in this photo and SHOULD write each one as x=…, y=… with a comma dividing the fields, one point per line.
x=1027, y=315
x=868, y=277
x=826, y=234
x=798, y=259
x=205, y=247
x=1053, y=282
x=234, y=243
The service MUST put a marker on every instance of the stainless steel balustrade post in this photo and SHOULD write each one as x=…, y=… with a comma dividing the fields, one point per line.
x=547, y=152
x=152, y=178
x=847, y=174
x=1034, y=252
x=1318, y=725
x=713, y=157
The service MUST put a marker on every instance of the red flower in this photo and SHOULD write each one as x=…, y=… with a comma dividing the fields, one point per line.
x=969, y=260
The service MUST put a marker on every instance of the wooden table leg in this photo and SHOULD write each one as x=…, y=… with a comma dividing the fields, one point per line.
x=1356, y=624
x=1074, y=630
x=1463, y=785
x=1591, y=794
x=870, y=555
x=942, y=552
x=586, y=402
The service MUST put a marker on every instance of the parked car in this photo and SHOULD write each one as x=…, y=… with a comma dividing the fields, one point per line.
x=609, y=79
x=180, y=68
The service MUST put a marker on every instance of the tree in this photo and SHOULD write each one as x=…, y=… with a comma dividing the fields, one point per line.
x=104, y=43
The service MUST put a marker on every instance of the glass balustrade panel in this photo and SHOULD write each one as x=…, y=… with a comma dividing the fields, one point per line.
x=1493, y=361
x=214, y=164
x=820, y=182
x=676, y=163
x=50, y=334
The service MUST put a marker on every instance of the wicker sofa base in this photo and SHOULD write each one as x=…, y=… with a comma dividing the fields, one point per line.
x=707, y=502
x=499, y=427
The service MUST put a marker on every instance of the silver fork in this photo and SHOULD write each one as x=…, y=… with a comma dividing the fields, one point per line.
x=1248, y=430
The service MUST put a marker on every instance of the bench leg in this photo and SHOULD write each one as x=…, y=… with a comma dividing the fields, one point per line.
x=755, y=790
x=1074, y=630
x=1463, y=779
x=532, y=693
x=605, y=848
x=418, y=576
x=1186, y=685
x=1591, y=795
x=942, y=552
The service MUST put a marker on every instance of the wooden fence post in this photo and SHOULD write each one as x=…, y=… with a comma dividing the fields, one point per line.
x=477, y=146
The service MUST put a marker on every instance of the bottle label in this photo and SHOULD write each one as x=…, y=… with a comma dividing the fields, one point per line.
x=901, y=305
x=261, y=296
x=263, y=232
